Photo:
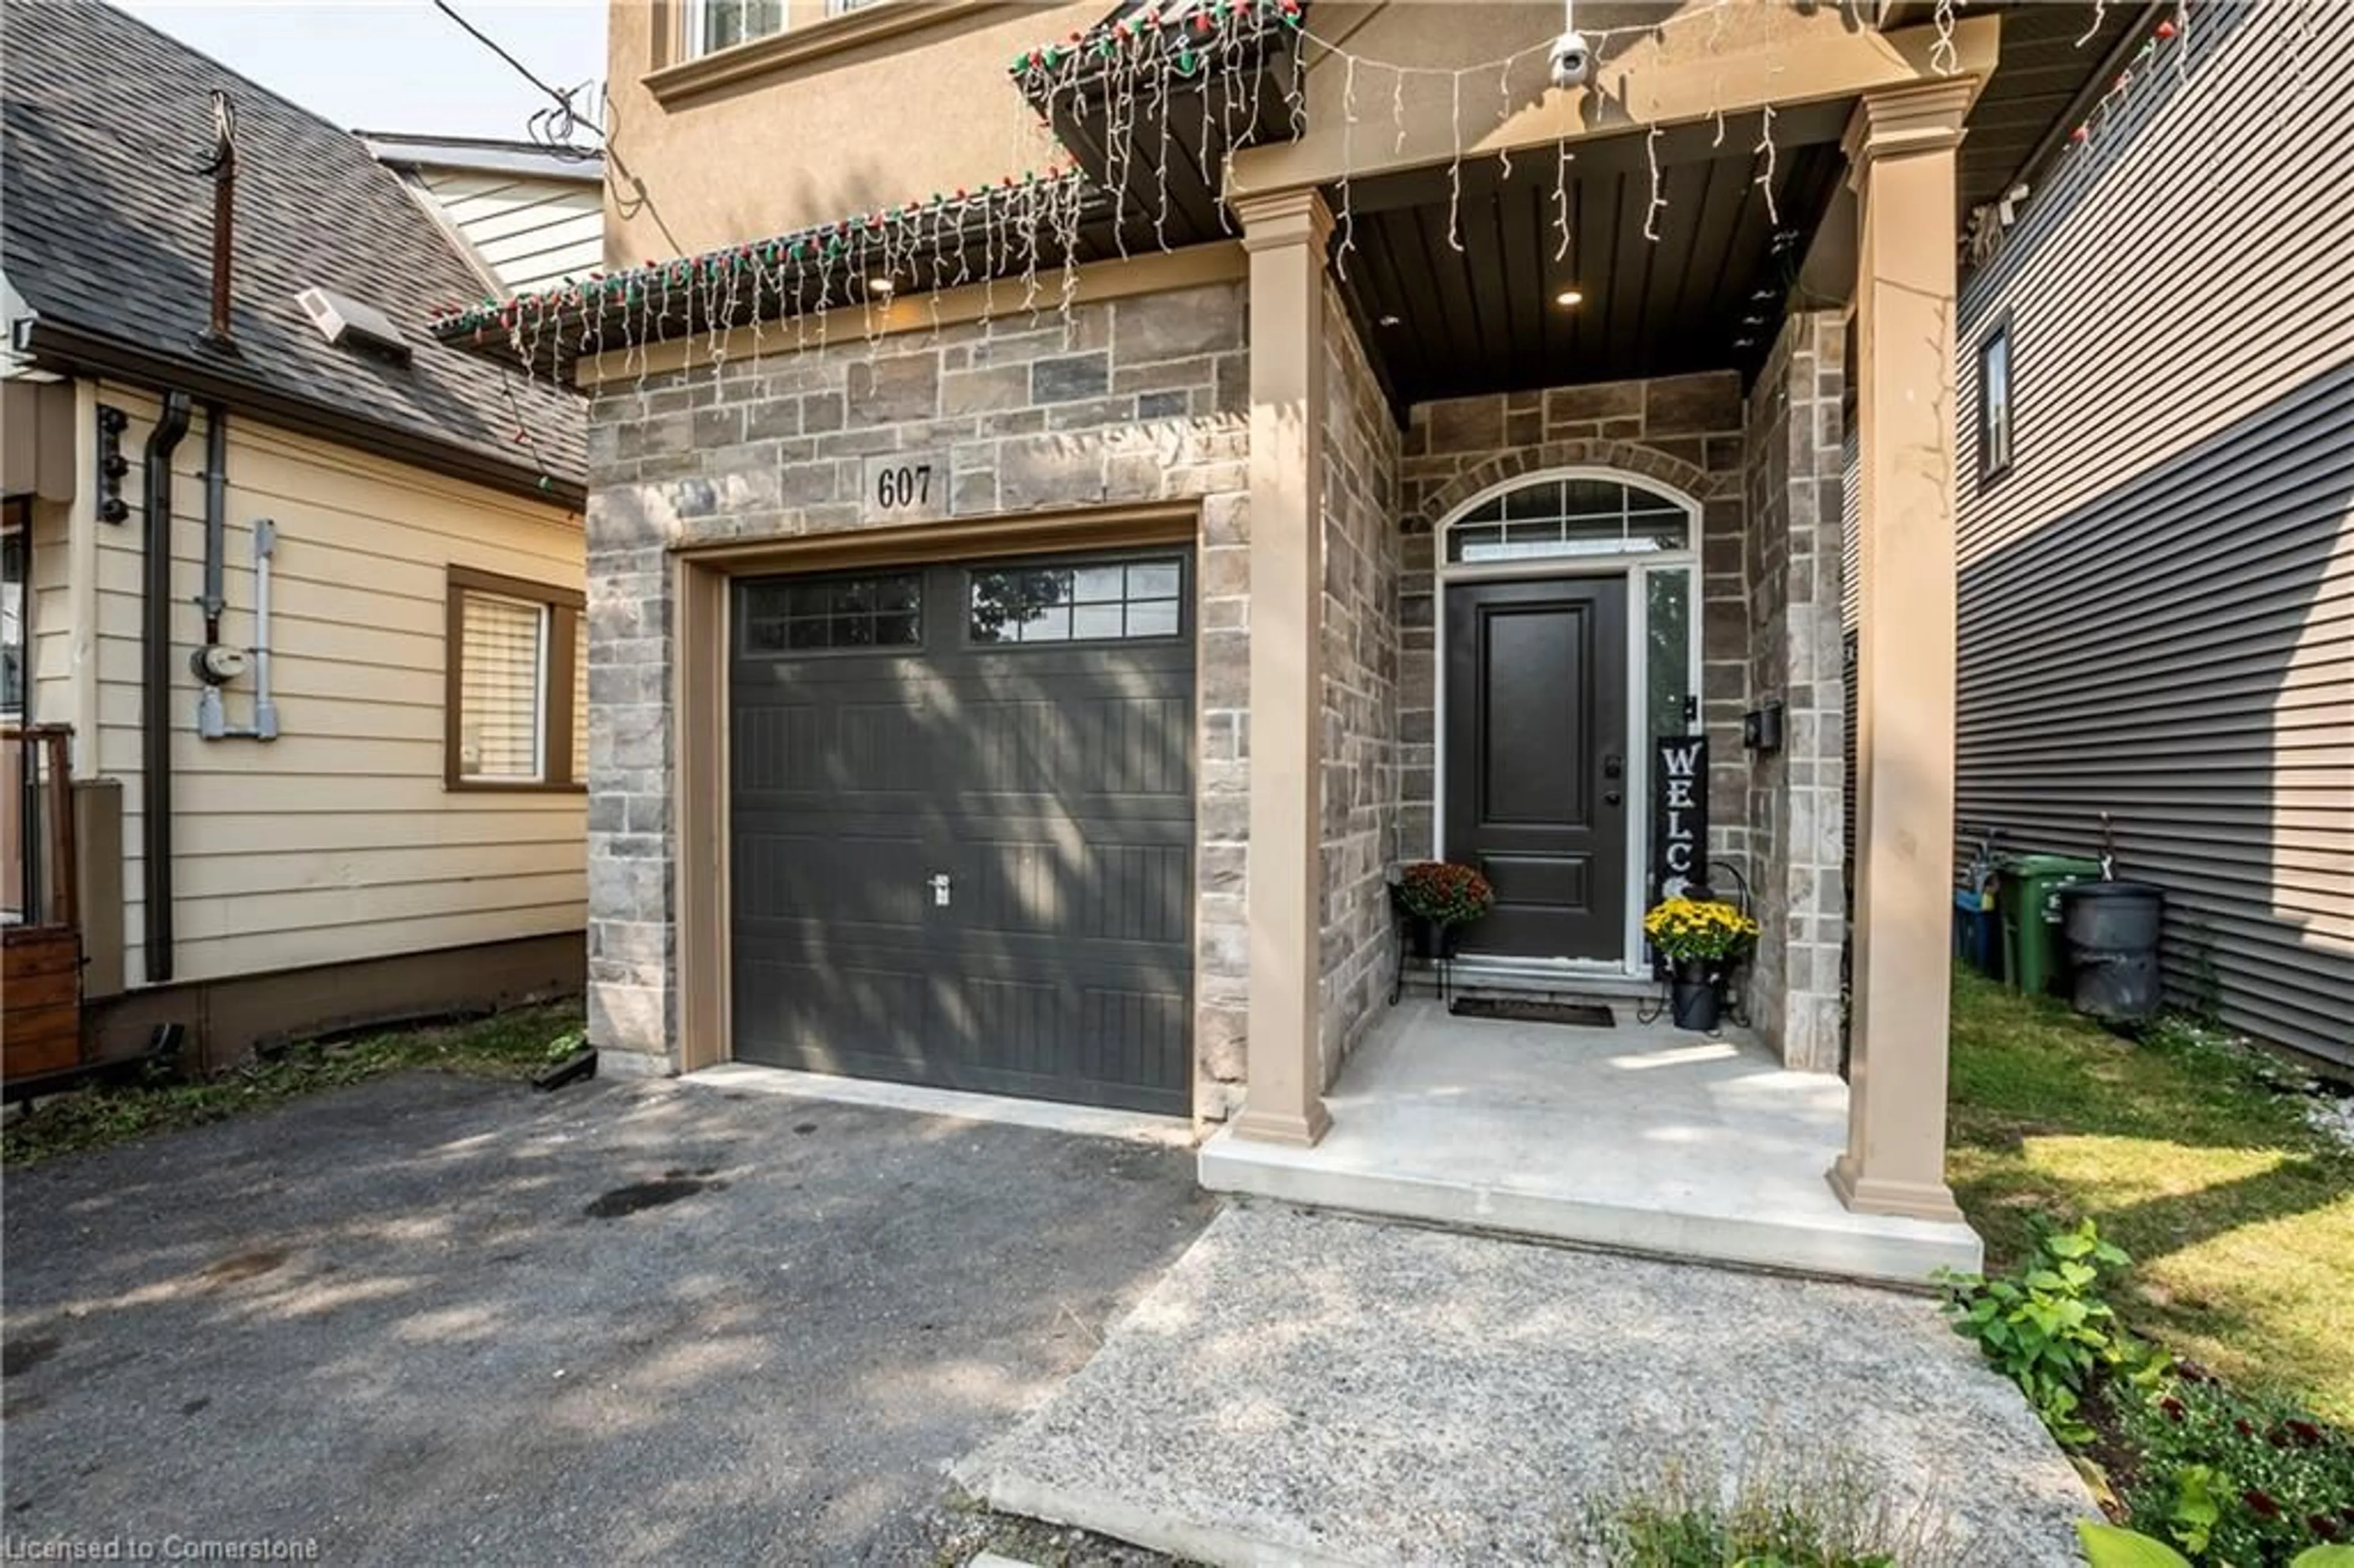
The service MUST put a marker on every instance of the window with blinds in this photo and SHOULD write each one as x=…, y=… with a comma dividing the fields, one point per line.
x=499, y=730
x=517, y=687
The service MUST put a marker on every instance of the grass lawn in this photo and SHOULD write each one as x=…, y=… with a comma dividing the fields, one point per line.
x=2239, y=1216
x=507, y=1045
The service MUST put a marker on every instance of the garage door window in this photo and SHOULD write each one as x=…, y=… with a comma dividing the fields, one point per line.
x=1122, y=601
x=875, y=610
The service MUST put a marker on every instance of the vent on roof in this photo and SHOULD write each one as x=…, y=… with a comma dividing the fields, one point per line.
x=351, y=325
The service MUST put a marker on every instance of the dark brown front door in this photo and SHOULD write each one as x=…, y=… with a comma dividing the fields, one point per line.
x=1535, y=752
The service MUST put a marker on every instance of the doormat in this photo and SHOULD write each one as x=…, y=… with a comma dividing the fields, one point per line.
x=1581, y=1014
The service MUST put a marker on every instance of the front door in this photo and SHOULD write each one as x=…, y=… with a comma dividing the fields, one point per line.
x=1535, y=752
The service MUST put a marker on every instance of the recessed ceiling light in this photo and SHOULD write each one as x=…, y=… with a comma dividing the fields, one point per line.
x=1392, y=320
x=1569, y=297
x=880, y=285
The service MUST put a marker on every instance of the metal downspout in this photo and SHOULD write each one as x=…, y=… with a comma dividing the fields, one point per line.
x=216, y=598
x=155, y=685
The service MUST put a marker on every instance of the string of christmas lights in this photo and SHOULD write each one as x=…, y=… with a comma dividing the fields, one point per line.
x=1133, y=72
x=1187, y=40
x=2112, y=102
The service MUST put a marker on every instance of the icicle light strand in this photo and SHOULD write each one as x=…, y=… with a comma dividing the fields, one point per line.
x=1026, y=223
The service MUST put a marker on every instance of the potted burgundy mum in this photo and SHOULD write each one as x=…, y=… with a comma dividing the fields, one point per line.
x=1441, y=898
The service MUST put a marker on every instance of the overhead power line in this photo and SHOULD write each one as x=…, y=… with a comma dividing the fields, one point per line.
x=554, y=127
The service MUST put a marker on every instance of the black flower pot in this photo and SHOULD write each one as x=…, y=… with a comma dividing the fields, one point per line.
x=1431, y=939
x=1693, y=996
x=581, y=1064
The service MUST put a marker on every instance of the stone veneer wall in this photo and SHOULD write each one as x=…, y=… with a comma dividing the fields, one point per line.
x=1141, y=399
x=1797, y=795
x=1684, y=431
x=1362, y=557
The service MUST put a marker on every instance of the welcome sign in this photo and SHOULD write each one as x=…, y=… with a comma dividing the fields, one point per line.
x=1679, y=814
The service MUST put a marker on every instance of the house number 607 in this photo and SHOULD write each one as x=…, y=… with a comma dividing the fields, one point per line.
x=905, y=485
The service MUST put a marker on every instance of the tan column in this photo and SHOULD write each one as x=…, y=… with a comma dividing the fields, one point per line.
x=1284, y=233
x=1901, y=150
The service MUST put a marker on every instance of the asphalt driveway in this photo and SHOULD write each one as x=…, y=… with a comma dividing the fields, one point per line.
x=432, y=1319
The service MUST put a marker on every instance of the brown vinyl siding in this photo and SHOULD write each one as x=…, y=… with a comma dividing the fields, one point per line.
x=2157, y=596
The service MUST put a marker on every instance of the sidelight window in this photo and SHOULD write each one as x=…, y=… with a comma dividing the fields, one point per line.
x=1670, y=705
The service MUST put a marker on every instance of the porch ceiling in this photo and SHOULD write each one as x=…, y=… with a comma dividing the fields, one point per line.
x=1458, y=296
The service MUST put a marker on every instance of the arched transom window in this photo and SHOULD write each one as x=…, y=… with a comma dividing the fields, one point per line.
x=1549, y=518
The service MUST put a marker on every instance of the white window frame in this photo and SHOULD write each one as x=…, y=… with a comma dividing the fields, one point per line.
x=697, y=14
x=1989, y=468
x=18, y=525
x=696, y=19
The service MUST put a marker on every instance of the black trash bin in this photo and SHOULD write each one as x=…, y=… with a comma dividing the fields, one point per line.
x=2111, y=930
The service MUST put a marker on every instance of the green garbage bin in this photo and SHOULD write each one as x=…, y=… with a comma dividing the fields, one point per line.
x=2028, y=899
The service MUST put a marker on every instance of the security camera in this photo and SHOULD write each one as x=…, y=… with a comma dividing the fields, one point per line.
x=1573, y=60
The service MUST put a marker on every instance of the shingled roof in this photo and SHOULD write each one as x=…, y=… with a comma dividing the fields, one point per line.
x=108, y=237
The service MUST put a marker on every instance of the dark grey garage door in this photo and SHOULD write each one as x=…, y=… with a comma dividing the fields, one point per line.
x=963, y=826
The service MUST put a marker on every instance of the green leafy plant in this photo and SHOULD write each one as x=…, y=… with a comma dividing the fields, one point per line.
x=562, y=1047
x=2235, y=1478
x=2047, y=1327
x=1445, y=893
x=2106, y=1546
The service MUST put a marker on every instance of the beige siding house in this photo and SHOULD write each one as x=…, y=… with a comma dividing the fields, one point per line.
x=527, y=215
x=300, y=588
x=2157, y=554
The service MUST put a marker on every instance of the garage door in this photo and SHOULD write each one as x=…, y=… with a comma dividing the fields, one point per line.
x=963, y=826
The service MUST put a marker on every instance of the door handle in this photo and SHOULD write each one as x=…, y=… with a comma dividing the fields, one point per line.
x=938, y=883
x=1610, y=797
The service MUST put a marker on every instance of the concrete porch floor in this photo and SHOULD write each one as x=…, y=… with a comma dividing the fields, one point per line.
x=1640, y=1137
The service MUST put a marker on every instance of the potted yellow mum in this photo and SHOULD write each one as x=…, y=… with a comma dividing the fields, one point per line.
x=1700, y=937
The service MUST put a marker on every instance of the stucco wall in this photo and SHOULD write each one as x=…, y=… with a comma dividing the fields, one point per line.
x=1135, y=400
x=843, y=131
x=1363, y=556
x=1796, y=655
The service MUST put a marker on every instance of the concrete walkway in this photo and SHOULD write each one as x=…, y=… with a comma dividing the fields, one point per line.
x=1306, y=1388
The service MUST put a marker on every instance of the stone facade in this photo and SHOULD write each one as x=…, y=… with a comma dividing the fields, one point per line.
x=1797, y=794
x=1766, y=471
x=1135, y=400
x=1683, y=431
x=1145, y=400
x=1360, y=741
